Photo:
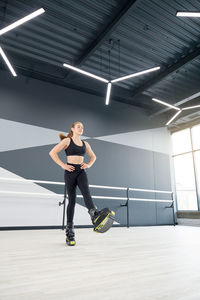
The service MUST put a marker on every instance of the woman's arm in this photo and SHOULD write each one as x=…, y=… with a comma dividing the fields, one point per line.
x=91, y=154
x=54, y=152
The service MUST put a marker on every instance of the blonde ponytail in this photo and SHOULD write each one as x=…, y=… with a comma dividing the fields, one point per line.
x=62, y=136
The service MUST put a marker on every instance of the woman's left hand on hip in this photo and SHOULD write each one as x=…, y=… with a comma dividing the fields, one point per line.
x=84, y=166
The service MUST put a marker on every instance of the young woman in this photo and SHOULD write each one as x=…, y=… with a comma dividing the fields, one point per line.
x=75, y=172
x=74, y=175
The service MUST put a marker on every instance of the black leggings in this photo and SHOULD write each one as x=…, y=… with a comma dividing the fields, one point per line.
x=72, y=179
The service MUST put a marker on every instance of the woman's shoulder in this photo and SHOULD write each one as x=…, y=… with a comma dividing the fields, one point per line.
x=86, y=143
x=66, y=142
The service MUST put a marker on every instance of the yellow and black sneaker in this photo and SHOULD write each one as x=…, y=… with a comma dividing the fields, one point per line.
x=70, y=241
x=70, y=234
x=102, y=220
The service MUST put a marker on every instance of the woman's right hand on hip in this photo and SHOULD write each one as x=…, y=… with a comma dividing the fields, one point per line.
x=67, y=167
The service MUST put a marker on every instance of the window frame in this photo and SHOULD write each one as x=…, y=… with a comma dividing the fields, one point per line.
x=197, y=187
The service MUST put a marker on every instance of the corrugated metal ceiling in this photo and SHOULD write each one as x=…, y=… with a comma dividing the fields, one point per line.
x=84, y=33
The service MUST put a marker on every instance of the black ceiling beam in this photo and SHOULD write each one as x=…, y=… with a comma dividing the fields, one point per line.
x=180, y=63
x=116, y=20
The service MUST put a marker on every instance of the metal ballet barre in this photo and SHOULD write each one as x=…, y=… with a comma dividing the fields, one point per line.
x=127, y=198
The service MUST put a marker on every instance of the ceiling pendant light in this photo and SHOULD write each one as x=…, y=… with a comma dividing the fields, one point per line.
x=173, y=117
x=21, y=21
x=85, y=73
x=187, y=14
x=7, y=62
x=174, y=107
x=12, y=26
x=135, y=74
x=165, y=103
x=179, y=14
x=190, y=107
x=109, y=83
x=108, y=92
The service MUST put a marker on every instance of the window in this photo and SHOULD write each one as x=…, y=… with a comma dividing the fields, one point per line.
x=185, y=182
x=181, y=141
x=186, y=155
x=197, y=165
x=196, y=137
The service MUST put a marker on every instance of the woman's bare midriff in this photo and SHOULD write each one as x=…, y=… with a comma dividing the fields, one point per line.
x=74, y=159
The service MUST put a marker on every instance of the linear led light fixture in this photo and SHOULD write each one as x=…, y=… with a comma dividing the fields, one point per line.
x=109, y=83
x=127, y=77
x=7, y=62
x=21, y=21
x=108, y=92
x=85, y=73
x=13, y=25
x=165, y=103
x=189, y=107
x=174, y=107
x=187, y=14
x=173, y=117
x=135, y=74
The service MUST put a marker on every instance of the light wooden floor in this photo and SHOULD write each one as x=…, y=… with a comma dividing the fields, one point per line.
x=138, y=263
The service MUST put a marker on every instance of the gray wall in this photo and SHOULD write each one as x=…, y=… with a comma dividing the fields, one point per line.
x=132, y=151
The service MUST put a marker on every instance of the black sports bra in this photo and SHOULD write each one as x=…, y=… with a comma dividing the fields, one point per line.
x=74, y=149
